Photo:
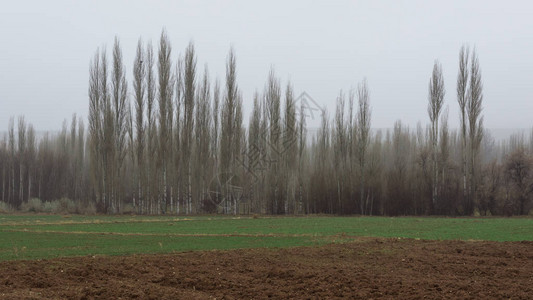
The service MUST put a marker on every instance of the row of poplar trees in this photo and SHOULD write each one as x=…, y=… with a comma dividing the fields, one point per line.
x=180, y=146
x=174, y=142
x=161, y=152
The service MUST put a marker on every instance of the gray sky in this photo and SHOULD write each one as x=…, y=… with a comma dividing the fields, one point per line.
x=321, y=47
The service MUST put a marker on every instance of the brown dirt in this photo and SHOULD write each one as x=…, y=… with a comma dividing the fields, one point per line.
x=366, y=268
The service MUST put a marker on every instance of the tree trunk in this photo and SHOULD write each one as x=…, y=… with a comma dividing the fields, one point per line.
x=362, y=193
x=372, y=203
x=164, y=202
x=300, y=204
x=29, y=184
x=435, y=166
x=21, y=189
x=3, y=189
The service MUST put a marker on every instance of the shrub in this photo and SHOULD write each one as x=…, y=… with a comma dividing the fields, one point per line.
x=65, y=206
x=33, y=205
x=5, y=207
x=61, y=206
x=89, y=209
x=50, y=207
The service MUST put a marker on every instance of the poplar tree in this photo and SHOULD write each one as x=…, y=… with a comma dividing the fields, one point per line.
x=302, y=143
x=139, y=87
x=273, y=137
x=151, y=131
x=436, y=100
x=178, y=133
x=3, y=162
x=119, y=88
x=215, y=136
x=202, y=128
x=107, y=137
x=95, y=127
x=475, y=122
x=165, y=92
x=231, y=124
x=289, y=149
x=189, y=87
x=340, y=147
x=12, y=153
x=462, y=97
x=255, y=158
x=363, y=136
x=21, y=152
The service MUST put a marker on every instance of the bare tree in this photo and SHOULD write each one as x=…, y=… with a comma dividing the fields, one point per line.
x=151, y=130
x=80, y=162
x=340, y=145
x=519, y=171
x=119, y=93
x=108, y=135
x=75, y=171
x=475, y=121
x=491, y=187
x=189, y=86
x=444, y=160
x=3, y=162
x=230, y=126
x=302, y=145
x=215, y=136
x=363, y=136
x=273, y=107
x=12, y=153
x=322, y=200
x=289, y=149
x=462, y=96
x=165, y=92
x=374, y=171
x=178, y=132
x=202, y=137
x=95, y=127
x=131, y=155
x=352, y=146
x=21, y=151
x=254, y=152
x=436, y=100
x=139, y=87
x=397, y=181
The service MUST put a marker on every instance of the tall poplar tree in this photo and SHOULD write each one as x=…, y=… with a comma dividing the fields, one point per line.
x=165, y=92
x=363, y=137
x=139, y=87
x=119, y=88
x=436, y=100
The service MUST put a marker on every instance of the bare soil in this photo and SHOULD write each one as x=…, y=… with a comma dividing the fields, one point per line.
x=366, y=268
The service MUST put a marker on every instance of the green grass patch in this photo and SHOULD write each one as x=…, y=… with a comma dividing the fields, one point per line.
x=48, y=236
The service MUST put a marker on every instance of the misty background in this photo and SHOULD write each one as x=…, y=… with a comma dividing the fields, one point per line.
x=321, y=47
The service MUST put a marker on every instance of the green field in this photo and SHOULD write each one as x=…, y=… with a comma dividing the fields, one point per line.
x=48, y=236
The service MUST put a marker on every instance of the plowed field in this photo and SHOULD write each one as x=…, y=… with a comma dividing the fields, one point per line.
x=364, y=268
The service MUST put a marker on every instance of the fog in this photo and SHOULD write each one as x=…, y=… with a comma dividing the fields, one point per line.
x=321, y=47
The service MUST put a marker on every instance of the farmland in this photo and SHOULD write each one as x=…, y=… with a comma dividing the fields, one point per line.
x=71, y=256
x=48, y=236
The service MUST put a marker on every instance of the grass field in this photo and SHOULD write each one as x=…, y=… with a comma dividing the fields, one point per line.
x=48, y=236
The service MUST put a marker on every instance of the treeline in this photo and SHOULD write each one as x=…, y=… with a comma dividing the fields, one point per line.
x=173, y=142
x=46, y=167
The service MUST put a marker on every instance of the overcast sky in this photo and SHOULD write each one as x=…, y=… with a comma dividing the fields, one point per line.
x=321, y=47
